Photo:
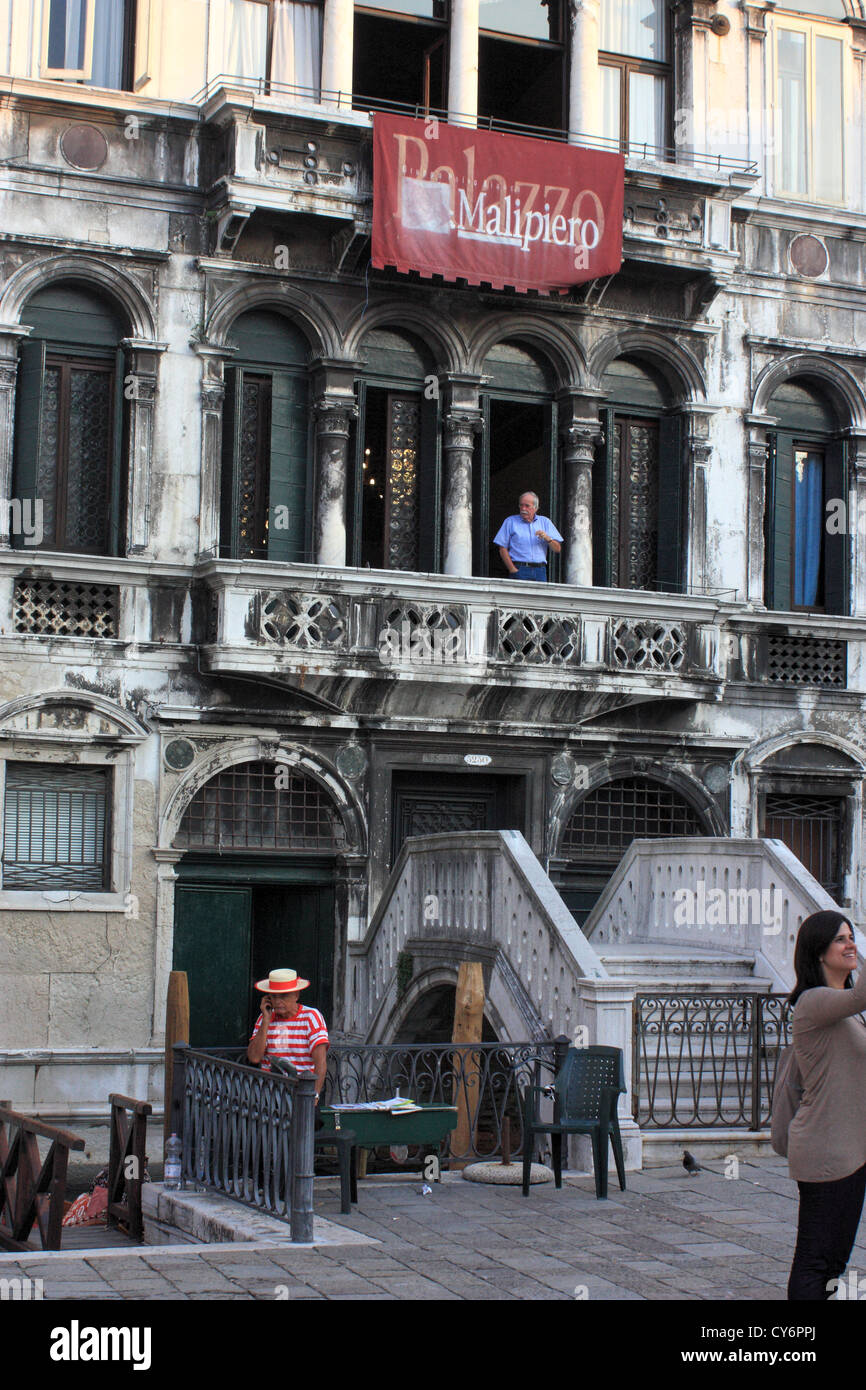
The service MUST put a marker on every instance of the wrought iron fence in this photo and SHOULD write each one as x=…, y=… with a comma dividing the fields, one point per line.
x=485, y=1078
x=706, y=1060
x=247, y=1133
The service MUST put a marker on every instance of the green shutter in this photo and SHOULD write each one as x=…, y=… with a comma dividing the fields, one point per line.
x=212, y=928
x=483, y=535
x=672, y=494
x=836, y=546
x=231, y=423
x=288, y=468
x=603, y=539
x=28, y=426
x=551, y=458
x=782, y=521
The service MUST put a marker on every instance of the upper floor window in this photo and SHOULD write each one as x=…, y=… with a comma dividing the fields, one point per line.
x=810, y=111
x=69, y=429
x=521, y=62
x=401, y=54
x=634, y=52
x=92, y=41
x=263, y=511
x=806, y=560
x=275, y=41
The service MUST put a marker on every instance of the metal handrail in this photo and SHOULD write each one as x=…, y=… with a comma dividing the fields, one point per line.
x=356, y=101
x=485, y=1078
x=707, y=1058
x=247, y=1133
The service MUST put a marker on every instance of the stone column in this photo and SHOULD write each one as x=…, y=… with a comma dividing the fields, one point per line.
x=460, y=430
x=606, y=1011
x=759, y=108
x=856, y=521
x=584, y=81
x=700, y=451
x=338, y=30
x=8, y=374
x=212, y=393
x=143, y=364
x=755, y=539
x=579, y=441
x=463, y=63
x=332, y=467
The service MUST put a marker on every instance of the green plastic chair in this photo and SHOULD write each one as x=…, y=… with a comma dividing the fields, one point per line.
x=585, y=1094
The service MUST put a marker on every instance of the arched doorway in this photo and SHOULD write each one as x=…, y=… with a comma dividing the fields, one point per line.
x=431, y=1019
x=602, y=826
x=516, y=449
x=255, y=893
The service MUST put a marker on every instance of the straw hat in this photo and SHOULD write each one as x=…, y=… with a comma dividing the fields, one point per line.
x=282, y=982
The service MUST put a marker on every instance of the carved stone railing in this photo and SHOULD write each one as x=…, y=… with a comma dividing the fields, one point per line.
x=737, y=896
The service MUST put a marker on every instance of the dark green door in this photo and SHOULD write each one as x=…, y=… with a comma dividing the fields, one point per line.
x=293, y=928
x=212, y=944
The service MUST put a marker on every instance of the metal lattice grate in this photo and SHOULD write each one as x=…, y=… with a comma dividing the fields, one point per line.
x=54, y=827
x=811, y=827
x=59, y=609
x=611, y=817
x=260, y=806
x=794, y=660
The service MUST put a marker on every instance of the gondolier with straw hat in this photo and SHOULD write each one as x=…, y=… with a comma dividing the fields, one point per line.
x=289, y=1029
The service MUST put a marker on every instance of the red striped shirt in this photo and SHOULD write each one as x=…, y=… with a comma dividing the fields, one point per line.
x=294, y=1038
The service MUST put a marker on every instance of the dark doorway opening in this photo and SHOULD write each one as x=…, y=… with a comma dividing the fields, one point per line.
x=228, y=935
x=435, y=803
x=431, y=1019
x=518, y=454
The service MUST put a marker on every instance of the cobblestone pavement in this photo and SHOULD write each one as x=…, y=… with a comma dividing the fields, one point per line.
x=670, y=1236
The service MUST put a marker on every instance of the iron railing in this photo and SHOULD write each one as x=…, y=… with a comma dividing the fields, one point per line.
x=486, y=1079
x=705, y=1060
x=247, y=1133
x=639, y=151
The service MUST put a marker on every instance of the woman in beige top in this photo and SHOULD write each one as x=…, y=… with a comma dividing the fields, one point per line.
x=827, y=1136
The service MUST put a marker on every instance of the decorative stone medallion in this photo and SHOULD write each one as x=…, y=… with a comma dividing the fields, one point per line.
x=178, y=754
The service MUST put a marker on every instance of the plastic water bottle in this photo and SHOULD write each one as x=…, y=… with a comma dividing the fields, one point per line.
x=172, y=1169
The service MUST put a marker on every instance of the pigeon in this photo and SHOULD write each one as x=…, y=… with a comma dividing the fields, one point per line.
x=690, y=1163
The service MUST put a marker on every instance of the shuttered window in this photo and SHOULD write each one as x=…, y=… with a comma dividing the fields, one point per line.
x=55, y=827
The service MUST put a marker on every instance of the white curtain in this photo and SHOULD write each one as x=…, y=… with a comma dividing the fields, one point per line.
x=792, y=111
x=646, y=113
x=610, y=103
x=107, y=70
x=297, y=54
x=633, y=27
x=246, y=39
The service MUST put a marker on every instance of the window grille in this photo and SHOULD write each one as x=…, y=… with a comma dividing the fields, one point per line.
x=795, y=660
x=607, y=820
x=59, y=609
x=55, y=827
x=260, y=806
x=811, y=828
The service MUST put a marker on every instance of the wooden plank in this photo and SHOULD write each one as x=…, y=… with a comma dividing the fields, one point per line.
x=176, y=1030
x=468, y=1024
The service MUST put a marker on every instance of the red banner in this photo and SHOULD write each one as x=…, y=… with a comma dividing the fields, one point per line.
x=493, y=209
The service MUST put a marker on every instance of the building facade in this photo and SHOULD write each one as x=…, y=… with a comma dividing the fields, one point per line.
x=256, y=633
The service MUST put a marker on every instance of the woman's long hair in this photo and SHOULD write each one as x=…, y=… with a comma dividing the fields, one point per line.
x=813, y=938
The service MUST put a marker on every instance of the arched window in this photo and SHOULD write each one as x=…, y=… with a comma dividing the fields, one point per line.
x=806, y=561
x=395, y=513
x=263, y=512
x=603, y=825
x=260, y=806
x=69, y=429
x=636, y=479
x=516, y=450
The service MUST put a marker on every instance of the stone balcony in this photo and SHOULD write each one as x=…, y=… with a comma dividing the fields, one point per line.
x=282, y=152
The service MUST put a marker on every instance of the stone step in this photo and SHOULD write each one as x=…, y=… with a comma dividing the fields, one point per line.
x=693, y=969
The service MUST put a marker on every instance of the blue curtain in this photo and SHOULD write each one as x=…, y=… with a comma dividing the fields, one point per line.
x=808, y=526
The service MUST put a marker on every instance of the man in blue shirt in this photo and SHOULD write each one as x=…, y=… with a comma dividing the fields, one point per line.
x=524, y=540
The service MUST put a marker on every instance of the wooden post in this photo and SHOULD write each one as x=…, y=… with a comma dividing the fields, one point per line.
x=468, y=1023
x=176, y=1031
